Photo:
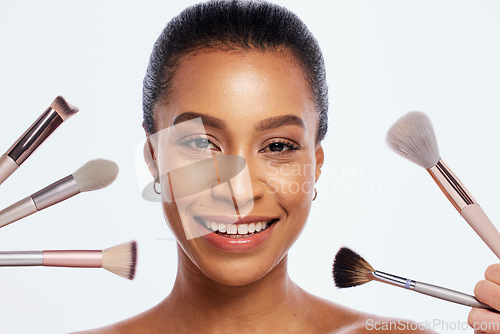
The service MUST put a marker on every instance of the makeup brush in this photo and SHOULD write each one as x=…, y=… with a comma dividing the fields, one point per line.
x=94, y=175
x=120, y=260
x=350, y=269
x=58, y=112
x=412, y=136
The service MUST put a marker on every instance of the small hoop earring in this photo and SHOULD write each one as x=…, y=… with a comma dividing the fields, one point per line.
x=158, y=192
x=315, y=194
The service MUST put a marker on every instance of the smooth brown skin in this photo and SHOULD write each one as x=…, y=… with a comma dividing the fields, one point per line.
x=251, y=292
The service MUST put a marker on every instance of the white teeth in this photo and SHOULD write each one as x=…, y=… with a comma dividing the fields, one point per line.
x=222, y=228
x=242, y=228
x=251, y=227
x=236, y=230
x=232, y=229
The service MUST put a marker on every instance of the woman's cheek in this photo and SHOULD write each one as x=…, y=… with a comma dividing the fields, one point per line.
x=293, y=184
x=172, y=218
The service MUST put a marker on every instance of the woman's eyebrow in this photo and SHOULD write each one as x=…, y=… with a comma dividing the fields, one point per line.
x=276, y=122
x=211, y=121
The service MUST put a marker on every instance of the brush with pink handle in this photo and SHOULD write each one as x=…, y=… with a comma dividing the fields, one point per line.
x=120, y=260
x=412, y=136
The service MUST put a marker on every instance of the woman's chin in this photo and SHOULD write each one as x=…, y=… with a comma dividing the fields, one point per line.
x=234, y=277
x=236, y=271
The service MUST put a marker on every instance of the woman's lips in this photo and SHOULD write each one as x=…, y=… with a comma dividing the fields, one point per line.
x=243, y=235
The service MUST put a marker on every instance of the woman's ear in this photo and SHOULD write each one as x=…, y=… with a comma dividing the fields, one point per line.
x=150, y=157
x=320, y=157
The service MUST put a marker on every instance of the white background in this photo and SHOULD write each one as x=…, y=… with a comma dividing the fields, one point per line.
x=384, y=58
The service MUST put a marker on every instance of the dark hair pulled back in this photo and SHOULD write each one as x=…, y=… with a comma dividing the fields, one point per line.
x=234, y=25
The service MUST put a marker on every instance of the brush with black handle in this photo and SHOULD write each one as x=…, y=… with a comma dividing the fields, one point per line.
x=58, y=112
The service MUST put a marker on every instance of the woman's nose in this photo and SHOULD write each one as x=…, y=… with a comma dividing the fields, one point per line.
x=241, y=190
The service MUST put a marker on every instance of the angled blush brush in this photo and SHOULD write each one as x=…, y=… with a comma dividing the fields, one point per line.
x=350, y=270
x=94, y=175
x=58, y=112
x=412, y=137
x=120, y=260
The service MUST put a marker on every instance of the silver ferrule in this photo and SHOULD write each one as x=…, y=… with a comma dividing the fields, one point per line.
x=11, y=259
x=451, y=186
x=392, y=279
x=55, y=193
x=34, y=136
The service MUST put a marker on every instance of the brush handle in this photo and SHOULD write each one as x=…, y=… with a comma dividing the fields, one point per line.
x=463, y=201
x=429, y=290
x=450, y=295
x=17, y=211
x=53, y=258
x=7, y=167
x=36, y=134
x=483, y=226
x=48, y=196
x=73, y=258
x=15, y=259
x=55, y=193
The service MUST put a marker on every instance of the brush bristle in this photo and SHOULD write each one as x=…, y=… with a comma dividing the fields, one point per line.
x=121, y=259
x=413, y=138
x=63, y=108
x=350, y=269
x=96, y=174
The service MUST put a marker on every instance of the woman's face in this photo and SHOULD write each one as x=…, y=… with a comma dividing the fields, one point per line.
x=255, y=105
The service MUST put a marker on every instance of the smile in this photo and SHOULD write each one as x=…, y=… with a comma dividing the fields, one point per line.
x=238, y=230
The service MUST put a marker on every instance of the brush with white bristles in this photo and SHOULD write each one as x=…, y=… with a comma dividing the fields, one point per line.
x=94, y=175
x=412, y=136
x=58, y=112
x=120, y=260
x=350, y=270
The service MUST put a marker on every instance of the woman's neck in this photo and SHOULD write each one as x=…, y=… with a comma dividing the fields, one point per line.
x=196, y=300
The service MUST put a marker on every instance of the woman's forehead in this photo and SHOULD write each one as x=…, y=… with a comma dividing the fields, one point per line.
x=238, y=83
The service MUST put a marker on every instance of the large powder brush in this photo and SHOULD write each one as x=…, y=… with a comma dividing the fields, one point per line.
x=412, y=137
x=95, y=174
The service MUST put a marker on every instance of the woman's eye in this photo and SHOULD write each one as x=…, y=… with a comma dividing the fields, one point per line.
x=198, y=142
x=280, y=146
x=202, y=143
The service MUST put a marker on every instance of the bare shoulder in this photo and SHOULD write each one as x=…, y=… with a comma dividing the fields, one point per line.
x=369, y=323
x=337, y=319
x=103, y=330
x=140, y=323
x=118, y=328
